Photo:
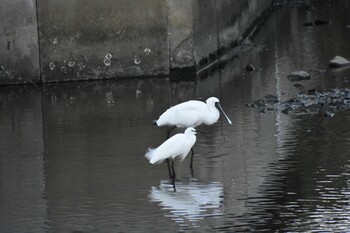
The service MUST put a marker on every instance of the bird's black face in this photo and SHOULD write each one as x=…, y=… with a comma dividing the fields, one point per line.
x=218, y=106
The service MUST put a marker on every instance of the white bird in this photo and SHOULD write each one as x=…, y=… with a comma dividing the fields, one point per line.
x=192, y=114
x=178, y=145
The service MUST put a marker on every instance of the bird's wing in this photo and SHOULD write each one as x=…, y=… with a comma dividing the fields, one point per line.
x=189, y=105
x=183, y=115
x=187, y=146
x=188, y=118
x=168, y=149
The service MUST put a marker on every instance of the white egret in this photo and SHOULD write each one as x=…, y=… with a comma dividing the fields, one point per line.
x=192, y=114
x=177, y=146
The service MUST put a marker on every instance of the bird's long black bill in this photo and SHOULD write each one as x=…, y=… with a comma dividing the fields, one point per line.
x=220, y=108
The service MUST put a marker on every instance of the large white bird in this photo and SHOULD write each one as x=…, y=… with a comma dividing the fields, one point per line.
x=178, y=145
x=192, y=114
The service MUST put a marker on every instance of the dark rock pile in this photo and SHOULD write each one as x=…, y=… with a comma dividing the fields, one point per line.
x=323, y=101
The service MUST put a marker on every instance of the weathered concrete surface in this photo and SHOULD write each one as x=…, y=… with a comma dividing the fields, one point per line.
x=221, y=24
x=86, y=39
x=180, y=32
x=235, y=18
x=205, y=31
x=19, y=54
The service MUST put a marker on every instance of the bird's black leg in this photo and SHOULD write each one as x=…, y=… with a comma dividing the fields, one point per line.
x=169, y=169
x=174, y=175
x=172, y=167
x=173, y=182
x=191, y=163
x=169, y=130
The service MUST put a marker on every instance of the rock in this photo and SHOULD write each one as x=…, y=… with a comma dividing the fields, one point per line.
x=271, y=99
x=298, y=76
x=321, y=22
x=311, y=92
x=286, y=110
x=338, y=61
x=308, y=24
x=317, y=22
x=250, y=68
x=328, y=114
x=298, y=85
x=259, y=103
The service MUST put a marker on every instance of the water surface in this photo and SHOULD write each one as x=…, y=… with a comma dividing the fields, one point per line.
x=72, y=154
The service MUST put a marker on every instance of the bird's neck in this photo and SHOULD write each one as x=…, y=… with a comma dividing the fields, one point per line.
x=212, y=116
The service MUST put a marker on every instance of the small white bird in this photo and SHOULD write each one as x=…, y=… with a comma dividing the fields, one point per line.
x=192, y=114
x=178, y=145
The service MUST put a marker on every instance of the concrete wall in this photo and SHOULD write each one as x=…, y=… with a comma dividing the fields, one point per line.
x=219, y=25
x=86, y=39
x=180, y=32
x=199, y=29
x=19, y=50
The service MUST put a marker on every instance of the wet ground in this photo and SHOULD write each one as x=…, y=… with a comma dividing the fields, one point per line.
x=72, y=154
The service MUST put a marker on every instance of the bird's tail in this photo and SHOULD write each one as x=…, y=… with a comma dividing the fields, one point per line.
x=149, y=155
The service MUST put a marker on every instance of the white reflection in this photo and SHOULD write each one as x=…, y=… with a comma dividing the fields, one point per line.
x=191, y=202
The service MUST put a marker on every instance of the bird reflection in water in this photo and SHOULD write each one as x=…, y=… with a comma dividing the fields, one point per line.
x=191, y=202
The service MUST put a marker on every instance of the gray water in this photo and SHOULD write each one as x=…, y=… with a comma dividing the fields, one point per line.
x=72, y=154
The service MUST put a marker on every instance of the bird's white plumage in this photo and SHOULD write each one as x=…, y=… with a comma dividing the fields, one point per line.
x=191, y=114
x=178, y=145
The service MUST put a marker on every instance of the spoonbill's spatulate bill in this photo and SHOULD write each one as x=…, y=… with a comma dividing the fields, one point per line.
x=177, y=146
x=193, y=113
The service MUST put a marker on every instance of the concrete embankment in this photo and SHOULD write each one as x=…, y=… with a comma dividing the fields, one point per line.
x=63, y=40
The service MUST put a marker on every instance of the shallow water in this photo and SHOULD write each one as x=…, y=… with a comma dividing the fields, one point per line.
x=72, y=154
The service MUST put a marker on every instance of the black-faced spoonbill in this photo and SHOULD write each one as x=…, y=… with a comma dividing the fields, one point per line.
x=177, y=146
x=192, y=114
